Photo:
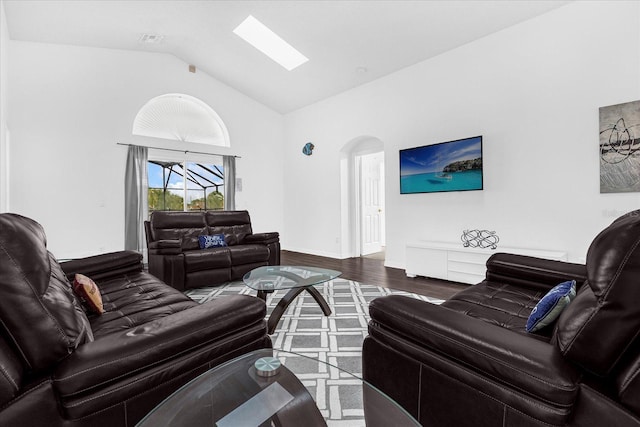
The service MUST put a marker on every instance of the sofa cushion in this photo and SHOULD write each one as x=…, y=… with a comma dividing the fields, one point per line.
x=37, y=304
x=177, y=225
x=134, y=300
x=170, y=220
x=189, y=242
x=12, y=370
x=498, y=303
x=235, y=225
x=88, y=292
x=211, y=241
x=104, y=265
x=248, y=254
x=207, y=259
x=548, y=309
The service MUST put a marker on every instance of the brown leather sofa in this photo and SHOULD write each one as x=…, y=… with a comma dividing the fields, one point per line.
x=470, y=362
x=62, y=367
x=176, y=258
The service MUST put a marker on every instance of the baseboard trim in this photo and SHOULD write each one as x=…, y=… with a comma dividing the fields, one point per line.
x=314, y=252
x=394, y=264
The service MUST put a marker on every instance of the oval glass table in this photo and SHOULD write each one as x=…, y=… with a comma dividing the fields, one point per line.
x=269, y=388
x=297, y=279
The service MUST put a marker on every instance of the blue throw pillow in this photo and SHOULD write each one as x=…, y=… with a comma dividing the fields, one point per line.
x=213, y=241
x=551, y=305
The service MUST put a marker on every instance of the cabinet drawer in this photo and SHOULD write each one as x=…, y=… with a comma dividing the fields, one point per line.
x=468, y=268
x=426, y=262
x=469, y=257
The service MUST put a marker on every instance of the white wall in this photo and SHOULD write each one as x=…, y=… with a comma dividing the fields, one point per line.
x=532, y=90
x=69, y=107
x=4, y=100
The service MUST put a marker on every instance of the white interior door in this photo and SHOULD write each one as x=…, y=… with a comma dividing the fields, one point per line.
x=372, y=203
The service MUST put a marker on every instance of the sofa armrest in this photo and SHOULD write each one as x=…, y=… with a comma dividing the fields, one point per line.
x=504, y=356
x=531, y=272
x=165, y=247
x=126, y=354
x=262, y=238
x=104, y=266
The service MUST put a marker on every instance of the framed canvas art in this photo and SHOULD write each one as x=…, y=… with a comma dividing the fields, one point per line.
x=620, y=148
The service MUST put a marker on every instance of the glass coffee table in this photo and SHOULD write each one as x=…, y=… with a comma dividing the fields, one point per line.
x=270, y=388
x=295, y=278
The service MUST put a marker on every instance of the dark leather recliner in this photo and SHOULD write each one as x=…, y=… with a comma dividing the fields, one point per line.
x=470, y=362
x=62, y=367
x=175, y=256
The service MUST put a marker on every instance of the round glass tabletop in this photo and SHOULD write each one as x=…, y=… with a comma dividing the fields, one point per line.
x=277, y=388
x=274, y=277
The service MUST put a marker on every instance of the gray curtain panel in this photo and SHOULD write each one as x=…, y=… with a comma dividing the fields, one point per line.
x=135, y=199
x=229, y=165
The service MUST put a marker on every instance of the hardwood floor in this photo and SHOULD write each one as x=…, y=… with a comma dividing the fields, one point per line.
x=372, y=271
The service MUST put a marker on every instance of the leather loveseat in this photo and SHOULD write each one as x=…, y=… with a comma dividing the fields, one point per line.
x=60, y=366
x=176, y=258
x=470, y=361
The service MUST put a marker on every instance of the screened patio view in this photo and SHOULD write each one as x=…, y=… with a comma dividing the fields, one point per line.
x=203, y=188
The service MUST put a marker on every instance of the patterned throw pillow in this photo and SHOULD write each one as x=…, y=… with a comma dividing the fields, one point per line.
x=551, y=305
x=88, y=292
x=213, y=241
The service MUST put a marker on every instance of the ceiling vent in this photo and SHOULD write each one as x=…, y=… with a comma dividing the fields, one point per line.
x=150, y=38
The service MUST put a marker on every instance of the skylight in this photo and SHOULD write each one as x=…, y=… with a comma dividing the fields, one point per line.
x=262, y=38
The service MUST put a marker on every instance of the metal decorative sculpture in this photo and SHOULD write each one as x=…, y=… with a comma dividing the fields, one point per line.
x=479, y=239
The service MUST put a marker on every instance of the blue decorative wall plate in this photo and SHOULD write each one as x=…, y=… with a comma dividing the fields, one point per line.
x=307, y=150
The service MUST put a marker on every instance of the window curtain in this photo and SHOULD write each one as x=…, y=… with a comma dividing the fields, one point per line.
x=135, y=199
x=229, y=165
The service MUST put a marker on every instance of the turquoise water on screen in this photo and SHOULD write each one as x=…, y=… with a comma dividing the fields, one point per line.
x=437, y=181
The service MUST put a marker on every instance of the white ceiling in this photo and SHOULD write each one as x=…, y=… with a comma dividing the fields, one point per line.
x=348, y=43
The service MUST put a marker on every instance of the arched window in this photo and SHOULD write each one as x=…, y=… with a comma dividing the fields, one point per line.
x=181, y=118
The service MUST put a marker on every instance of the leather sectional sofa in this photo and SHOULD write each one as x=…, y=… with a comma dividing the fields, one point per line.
x=60, y=366
x=470, y=362
x=175, y=256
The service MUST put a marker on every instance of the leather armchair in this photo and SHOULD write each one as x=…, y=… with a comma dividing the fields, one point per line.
x=61, y=366
x=470, y=362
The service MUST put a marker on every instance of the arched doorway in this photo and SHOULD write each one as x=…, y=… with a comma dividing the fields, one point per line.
x=362, y=207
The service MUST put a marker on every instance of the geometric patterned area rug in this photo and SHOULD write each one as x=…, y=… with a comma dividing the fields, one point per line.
x=336, y=339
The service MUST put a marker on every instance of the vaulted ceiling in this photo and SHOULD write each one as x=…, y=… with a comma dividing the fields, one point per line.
x=348, y=43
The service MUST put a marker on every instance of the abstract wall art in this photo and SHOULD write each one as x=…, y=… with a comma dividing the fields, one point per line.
x=620, y=148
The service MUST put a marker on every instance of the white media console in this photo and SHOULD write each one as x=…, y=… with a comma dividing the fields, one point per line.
x=454, y=262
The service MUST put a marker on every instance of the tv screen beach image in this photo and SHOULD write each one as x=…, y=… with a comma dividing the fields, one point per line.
x=447, y=166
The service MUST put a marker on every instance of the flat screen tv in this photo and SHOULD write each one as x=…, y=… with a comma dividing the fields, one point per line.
x=447, y=166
